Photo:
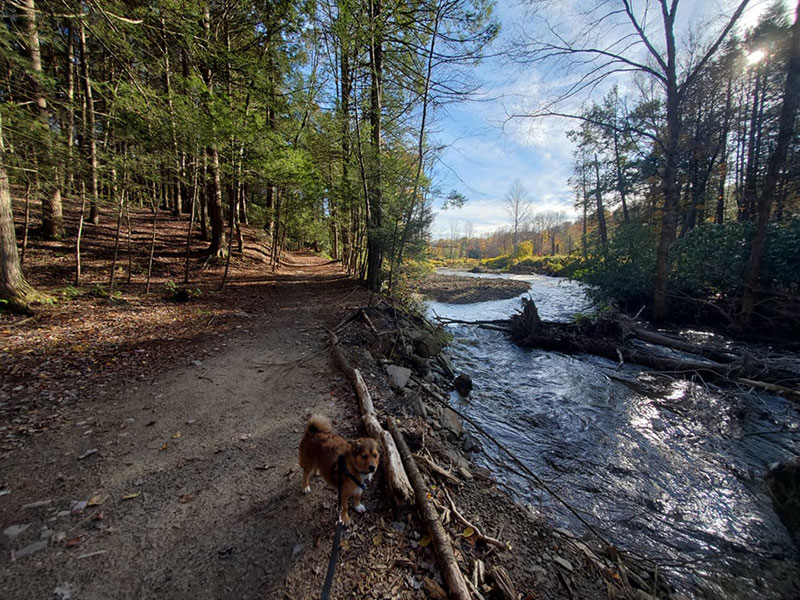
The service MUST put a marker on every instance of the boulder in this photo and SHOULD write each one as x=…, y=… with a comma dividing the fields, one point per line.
x=783, y=483
x=399, y=375
x=469, y=443
x=427, y=346
x=463, y=384
x=451, y=422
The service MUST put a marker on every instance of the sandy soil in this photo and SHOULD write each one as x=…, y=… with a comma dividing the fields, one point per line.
x=193, y=472
x=458, y=289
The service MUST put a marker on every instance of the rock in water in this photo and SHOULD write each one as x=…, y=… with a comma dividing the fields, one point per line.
x=463, y=384
x=783, y=483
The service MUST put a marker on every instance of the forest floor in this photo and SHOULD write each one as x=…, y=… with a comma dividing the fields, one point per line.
x=149, y=448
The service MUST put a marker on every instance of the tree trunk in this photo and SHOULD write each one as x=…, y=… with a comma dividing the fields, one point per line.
x=671, y=190
x=80, y=234
x=791, y=100
x=52, y=212
x=69, y=168
x=375, y=199
x=217, y=246
x=14, y=289
x=601, y=213
x=89, y=126
x=620, y=178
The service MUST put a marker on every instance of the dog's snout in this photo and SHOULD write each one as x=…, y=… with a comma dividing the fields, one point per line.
x=372, y=468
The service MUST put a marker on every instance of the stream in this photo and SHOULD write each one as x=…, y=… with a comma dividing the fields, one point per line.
x=675, y=476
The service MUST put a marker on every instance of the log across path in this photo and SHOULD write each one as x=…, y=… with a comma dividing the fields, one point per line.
x=185, y=485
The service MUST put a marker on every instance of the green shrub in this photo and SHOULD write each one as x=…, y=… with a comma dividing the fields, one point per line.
x=711, y=259
x=782, y=257
x=627, y=276
x=498, y=262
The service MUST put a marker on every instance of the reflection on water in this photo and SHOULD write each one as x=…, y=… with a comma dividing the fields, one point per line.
x=674, y=475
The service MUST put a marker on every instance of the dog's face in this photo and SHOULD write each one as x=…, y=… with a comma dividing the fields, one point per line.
x=366, y=455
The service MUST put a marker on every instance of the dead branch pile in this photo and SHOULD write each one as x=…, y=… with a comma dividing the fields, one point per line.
x=619, y=338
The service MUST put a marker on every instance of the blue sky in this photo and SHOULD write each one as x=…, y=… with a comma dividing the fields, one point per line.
x=484, y=151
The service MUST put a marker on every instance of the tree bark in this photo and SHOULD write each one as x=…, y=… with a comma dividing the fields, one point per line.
x=89, y=126
x=14, y=289
x=375, y=198
x=52, y=212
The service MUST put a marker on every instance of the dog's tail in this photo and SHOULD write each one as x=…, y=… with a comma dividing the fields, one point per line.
x=318, y=424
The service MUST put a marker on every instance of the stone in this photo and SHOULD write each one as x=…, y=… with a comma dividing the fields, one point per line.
x=30, y=549
x=464, y=472
x=451, y=422
x=427, y=346
x=563, y=562
x=399, y=375
x=658, y=425
x=418, y=406
x=446, y=366
x=469, y=443
x=463, y=384
x=14, y=530
x=783, y=483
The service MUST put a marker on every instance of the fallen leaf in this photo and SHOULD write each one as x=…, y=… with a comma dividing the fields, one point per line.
x=164, y=447
x=468, y=532
x=377, y=539
x=131, y=496
x=425, y=541
x=76, y=541
x=185, y=498
x=97, y=499
x=176, y=435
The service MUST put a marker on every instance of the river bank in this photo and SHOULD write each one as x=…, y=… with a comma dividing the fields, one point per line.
x=459, y=289
x=410, y=379
x=668, y=468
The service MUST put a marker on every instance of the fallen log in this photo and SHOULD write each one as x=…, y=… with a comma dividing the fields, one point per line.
x=710, y=352
x=396, y=476
x=439, y=538
x=610, y=338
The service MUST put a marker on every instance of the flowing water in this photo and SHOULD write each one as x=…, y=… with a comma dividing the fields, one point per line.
x=670, y=470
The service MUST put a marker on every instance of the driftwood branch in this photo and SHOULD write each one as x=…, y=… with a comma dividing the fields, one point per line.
x=439, y=538
x=393, y=466
x=432, y=467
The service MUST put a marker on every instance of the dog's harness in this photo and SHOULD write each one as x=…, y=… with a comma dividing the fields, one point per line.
x=341, y=469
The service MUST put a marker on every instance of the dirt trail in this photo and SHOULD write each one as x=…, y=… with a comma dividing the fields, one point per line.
x=209, y=450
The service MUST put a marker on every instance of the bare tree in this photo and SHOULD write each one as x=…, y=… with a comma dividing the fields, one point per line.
x=615, y=38
x=469, y=233
x=518, y=206
x=454, y=232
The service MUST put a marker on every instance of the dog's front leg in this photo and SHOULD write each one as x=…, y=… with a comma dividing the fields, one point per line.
x=360, y=508
x=343, y=514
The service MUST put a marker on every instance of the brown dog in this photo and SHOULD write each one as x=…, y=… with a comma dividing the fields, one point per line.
x=320, y=450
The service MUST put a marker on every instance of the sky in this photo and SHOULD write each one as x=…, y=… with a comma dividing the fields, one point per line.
x=484, y=151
